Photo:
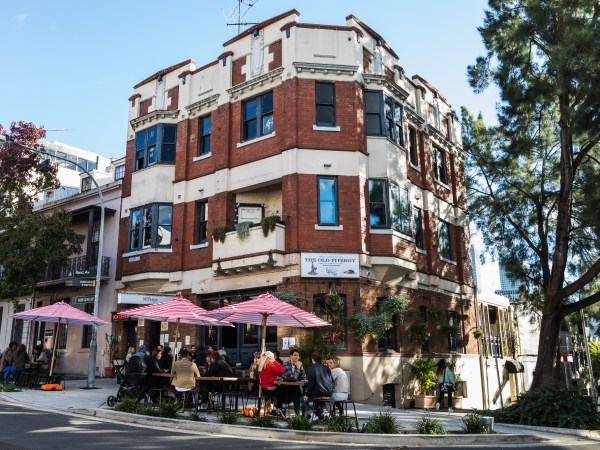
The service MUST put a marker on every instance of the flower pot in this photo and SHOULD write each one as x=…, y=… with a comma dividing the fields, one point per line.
x=108, y=372
x=425, y=401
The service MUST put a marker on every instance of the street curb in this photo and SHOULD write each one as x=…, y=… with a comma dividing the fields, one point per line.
x=592, y=434
x=316, y=436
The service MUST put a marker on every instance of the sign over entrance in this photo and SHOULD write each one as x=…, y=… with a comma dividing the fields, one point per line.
x=142, y=299
x=329, y=265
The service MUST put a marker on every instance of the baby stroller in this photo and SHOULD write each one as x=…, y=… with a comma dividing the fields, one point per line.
x=132, y=381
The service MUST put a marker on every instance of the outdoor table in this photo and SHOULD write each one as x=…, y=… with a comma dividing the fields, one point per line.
x=301, y=383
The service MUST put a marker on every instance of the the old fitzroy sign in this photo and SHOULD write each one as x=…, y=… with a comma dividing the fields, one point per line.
x=329, y=265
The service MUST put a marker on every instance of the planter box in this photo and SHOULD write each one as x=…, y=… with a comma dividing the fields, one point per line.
x=425, y=401
x=456, y=400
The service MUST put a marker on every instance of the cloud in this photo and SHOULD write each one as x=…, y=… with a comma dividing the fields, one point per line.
x=20, y=19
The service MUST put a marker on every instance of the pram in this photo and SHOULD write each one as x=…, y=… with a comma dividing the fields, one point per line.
x=131, y=378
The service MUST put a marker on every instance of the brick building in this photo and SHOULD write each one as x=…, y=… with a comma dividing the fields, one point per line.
x=317, y=131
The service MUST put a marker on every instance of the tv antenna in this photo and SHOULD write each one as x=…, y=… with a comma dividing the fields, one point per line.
x=64, y=130
x=249, y=4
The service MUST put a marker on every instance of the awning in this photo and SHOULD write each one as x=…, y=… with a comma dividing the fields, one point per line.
x=513, y=366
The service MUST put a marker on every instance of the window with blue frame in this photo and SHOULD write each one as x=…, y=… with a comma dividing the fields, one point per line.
x=384, y=116
x=257, y=117
x=204, y=128
x=120, y=172
x=327, y=201
x=155, y=145
x=389, y=206
x=150, y=226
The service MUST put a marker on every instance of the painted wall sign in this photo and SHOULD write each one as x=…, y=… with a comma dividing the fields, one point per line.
x=80, y=283
x=141, y=299
x=329, y=265
x=116, y=317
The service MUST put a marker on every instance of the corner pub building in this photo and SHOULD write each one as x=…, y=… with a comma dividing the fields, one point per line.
x=301, y=160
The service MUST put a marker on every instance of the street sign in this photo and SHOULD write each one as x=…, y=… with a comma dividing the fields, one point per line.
x=80, y=283
x=83, y=299
x=82, y=273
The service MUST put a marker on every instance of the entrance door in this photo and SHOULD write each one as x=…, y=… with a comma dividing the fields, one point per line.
x=154, y=336
x=131, y=334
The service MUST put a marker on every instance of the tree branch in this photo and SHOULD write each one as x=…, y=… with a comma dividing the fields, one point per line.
x=583, y=280
x=570, y=308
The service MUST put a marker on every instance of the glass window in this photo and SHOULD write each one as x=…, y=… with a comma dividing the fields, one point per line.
x=418, y=223
x=395, y=206
x=454, y=332
x=373, y=112
x=404, y=212
x=439, y=165
x=388, y=341
x=63, y=328
x=445, y=240
x=95, y=240
x=120, y=172
x=325, y=103
x=258, y=110
x=155, y=145
x=412, y=146
x=71, y=162
x=327, y=201
x=86, y=184
x=202, y=221
x=86, y=335
x=378, y=213
x=204, y=128
x=383, y=116
x=333, y=311
x=151, y=226
x=91, y=166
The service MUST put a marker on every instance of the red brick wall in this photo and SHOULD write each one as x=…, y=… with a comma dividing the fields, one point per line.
x=389, y=75
x=237, y=76
x=145, y=106
x=173, y=95
x=275, y=50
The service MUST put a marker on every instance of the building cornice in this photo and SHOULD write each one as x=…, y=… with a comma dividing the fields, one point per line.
x=201, y=104
x=338, y=69
x=253, y=83
x=413, y=116
x=154, y=116
x=382, y=80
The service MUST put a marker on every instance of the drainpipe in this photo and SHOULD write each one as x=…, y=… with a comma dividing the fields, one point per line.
x=479, y=349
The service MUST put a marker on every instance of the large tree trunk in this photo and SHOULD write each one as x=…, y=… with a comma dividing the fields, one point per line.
x=547, y=369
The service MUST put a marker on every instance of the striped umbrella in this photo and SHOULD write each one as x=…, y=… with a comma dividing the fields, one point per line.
x=176, y=310
x=59, y=312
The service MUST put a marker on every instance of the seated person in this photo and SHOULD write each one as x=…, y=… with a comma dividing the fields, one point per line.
x=185, y=372
x=18, y=361
x=292, y=371
x=154, y=367
x=320, y=384
x=268, y=371
x=40, y=359
x=166, y=361
x=217, y=368
x=135, y=372
x=341, y=386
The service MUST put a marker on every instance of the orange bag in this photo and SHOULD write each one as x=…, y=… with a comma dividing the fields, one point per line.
x=51, y=387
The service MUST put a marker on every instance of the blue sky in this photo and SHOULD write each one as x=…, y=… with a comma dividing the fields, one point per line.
x=72, y=64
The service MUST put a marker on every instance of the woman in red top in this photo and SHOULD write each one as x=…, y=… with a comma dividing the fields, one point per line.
x=269, y=370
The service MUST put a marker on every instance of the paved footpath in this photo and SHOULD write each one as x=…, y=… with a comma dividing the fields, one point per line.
x=75, y=399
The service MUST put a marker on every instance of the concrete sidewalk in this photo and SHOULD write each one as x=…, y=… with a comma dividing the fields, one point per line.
x=76, y=399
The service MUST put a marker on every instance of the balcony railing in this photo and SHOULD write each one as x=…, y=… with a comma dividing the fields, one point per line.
x=78, y=267
x=255, y=252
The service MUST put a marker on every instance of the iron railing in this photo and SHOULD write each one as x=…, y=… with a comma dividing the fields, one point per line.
x=78, y=267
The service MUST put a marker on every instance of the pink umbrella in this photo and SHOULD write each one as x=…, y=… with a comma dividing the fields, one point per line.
x=58, y=313
x=176, y=310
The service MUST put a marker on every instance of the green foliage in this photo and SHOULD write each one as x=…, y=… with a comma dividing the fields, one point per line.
x=243, y=230
x=423, y=371
x=595, y=357
x=473, y=423
x=128, y=405
x=230, y=417
x=148, y=410
x=288, y=297
x=268, y=224
x=478, y=334
x=168, y=409
x=334, y=302
x=362, y=326
x=552, y=407
x=219, y=234
x=428, y=425
x=299, y=422
x=196, y=417
x=306, y=350
x=9, y=387
x=420, y=331
x=383, y=422
x=375, y=326
x=267, y=421
x=340, y=424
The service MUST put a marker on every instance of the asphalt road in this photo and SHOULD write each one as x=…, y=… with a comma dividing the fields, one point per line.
x=23, y=428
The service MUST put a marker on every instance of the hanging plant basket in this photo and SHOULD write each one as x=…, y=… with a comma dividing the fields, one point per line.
x=219, y=234
x=268, y=224
x=243, y=230
x=334, y=301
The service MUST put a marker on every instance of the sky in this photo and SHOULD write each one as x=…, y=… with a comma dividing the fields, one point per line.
x=71, y=65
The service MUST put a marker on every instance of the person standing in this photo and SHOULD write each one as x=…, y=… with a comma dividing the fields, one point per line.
x=341, y=386
x=446, y=383
x=320, y=384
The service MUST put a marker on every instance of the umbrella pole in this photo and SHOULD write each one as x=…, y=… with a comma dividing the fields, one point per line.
x=56, y=330
x=175, y=349
x=263, y=346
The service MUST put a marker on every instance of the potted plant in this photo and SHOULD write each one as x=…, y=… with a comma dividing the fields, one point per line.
x=219, y=234
x=423, y=372
x=268, y=224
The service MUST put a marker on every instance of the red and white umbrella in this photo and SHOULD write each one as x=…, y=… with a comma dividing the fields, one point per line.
x=176, y=310
x=58, y=313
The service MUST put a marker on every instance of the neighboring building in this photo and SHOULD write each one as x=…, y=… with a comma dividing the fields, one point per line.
x=509, y=286
x=71, y=283
x=360, y=169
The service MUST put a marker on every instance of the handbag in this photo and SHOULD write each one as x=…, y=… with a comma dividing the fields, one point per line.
x=447, y=387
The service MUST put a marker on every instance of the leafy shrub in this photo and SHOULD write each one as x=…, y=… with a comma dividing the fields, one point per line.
x=168, y=409
x=148, y=411
x=423, y=370
x=340, y=424
x=382, y=423
x=128, y=405
x=552, y=407
x=267, y=421
x=230, y=418
x=299, y=422
x=9, y=387
x=475, y=424
x=429, y=425
x=195, y=417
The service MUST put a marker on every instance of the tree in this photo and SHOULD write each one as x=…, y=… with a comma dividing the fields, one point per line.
x=534, y=179
x=29, y=241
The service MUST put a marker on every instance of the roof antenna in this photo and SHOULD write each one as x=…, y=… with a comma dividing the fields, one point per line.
x=240, y=16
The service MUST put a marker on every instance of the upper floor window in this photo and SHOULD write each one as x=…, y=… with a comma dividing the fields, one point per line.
x=204, y=127
x=418, y=223
x=95, y=242
x=453, y=332
x=150, y=226
x=86, y=184
x=412, y=146
x=445, y=240
x=155, y=145
x=86, y=332
x=389, y=206
x=202, y=222
x=120, y=172
x=439, y=165
x=383, y=116
x=258, y=116
x=325, y=103
x=328, y=200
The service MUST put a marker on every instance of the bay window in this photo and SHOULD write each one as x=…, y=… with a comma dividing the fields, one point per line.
x=150, y=226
